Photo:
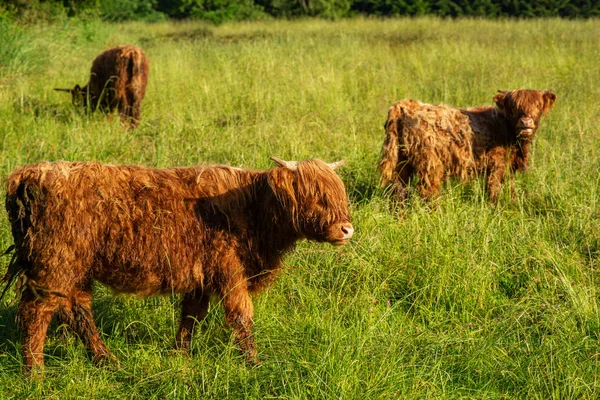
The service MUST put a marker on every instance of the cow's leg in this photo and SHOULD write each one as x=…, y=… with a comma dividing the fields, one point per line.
x=238, y=313
x=134, y=110
x=431, y=178
x=104, y=101
x=401, y=178
x=494, y=181
x=496, y=172
x=77, y=314
x=193, y=310
x=513, y=188
x=125, y=110
x=34, y=316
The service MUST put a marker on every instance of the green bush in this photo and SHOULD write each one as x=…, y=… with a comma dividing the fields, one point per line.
x=218, y=11
x=138, y=10
x=332, y=9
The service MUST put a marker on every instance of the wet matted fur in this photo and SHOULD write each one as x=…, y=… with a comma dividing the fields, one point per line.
x=438, y=141
x=198, y=231
x=118, y=79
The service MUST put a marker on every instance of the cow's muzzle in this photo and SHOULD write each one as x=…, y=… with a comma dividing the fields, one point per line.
x=347, y=230
x=340, y=233
x=525, y=126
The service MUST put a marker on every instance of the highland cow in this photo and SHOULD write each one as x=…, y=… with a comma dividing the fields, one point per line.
x=199, y=231
x=118, y=80
x=437, y=142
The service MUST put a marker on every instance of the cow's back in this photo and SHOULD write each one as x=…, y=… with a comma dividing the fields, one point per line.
x=436, y=136
x=132, y=228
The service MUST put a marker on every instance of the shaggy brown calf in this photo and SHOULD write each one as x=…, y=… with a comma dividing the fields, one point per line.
x=118, y=79
x=436, y=142
x=198, y=231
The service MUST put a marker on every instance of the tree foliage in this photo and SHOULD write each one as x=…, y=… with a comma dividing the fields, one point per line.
x=219, y=11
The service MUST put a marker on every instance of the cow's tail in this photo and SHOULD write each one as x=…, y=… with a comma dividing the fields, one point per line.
x=389, y=152
x=13, y=272
x=137, y=68
x=19, y=198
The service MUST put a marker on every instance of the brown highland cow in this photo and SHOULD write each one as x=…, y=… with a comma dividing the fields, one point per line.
x=437, y=142
x=118, y=79
x=198, y=231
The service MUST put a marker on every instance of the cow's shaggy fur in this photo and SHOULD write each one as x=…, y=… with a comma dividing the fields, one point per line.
x=197, y=231
x=437, y=142
x=118, y=80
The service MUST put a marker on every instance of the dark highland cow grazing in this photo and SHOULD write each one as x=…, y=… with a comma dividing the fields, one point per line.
x=198, y=231
x=118, y=79
x=437, y=142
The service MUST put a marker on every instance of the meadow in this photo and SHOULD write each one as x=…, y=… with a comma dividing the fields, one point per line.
x=449, y=299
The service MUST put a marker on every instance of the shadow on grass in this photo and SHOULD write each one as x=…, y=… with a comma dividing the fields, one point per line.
x=364, y=189
x=400, y=39
x=153, y=320
x=204, y=33
x=246, y=37
x=392, y=39
x=360, y=188
x=566, y=226
x=9, y=334
x=133, y=321
x=542, y=205
x=38, y=108
x=124, y=322
x=11, y=338
x=228, y=120
x=121, y=331
x=180, y=36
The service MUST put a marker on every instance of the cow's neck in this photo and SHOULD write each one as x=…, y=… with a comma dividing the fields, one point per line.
x=490, y=127
x=274, y=233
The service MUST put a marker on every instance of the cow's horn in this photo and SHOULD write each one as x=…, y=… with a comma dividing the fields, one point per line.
x=63, y=90
x=287, y=164
x=336, y=164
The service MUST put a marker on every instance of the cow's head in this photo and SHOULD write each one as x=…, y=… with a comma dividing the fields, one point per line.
x=315, y=197
x=79, y=95
x=524, y=108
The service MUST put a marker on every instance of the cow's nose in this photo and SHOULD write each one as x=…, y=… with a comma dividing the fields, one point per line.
x=348, y=231
x=526, y=123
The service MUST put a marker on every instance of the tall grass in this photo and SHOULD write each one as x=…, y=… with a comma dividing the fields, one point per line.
x=453, y=298
x=15, y=51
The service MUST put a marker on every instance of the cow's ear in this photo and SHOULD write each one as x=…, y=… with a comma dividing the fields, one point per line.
x=549, y=99
x=283, y=183
x=499, y=99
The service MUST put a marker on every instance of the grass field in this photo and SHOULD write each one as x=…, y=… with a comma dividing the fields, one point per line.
x=451, y=299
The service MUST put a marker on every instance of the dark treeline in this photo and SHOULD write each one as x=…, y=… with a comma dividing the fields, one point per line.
x=224, y=10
